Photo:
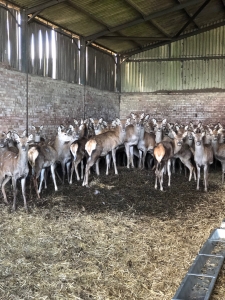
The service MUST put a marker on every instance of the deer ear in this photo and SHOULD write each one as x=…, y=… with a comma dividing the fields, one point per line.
x=30, y=137
x=154, y=121
x=133, y=116
x=33, y=127
x=24, y=133
x=142, y=116
x=184, y=134
x=100, y=120
x=164, y=121
x=41, y=127
x=59, y=129
x=16, y=137
x=173, y=132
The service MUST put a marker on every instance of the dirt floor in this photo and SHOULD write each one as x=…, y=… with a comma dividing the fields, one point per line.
x=118, y=239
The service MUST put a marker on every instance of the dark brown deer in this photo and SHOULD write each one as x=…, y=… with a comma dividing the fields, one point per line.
x=15, y=166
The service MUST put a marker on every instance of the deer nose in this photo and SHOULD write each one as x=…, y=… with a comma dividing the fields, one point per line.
x=198, y=143
x=179, y=143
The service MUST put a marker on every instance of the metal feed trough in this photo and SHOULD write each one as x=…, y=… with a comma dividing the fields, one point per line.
x=201, y=277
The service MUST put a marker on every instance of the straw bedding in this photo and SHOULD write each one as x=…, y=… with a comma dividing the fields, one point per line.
x=118, y=239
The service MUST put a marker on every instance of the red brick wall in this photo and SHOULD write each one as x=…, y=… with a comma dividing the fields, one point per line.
x=51, y=102
x=183, y=107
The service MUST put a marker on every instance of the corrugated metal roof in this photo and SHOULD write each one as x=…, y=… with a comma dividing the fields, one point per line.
x=128, y=20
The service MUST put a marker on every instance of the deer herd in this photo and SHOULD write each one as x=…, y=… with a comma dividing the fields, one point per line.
x=86, y=141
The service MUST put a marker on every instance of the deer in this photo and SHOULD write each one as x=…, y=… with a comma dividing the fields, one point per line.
x=132, y=135
x=42, y=155
x=163, y=152
x=63, y=152
x=219, y=148
x=77, y=148
x=101, y=145
x=146, y=141
x=203, y=156
x=15, y=166
x=38, y=133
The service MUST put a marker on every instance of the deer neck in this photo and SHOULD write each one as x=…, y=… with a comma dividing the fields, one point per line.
x=158, y=136
x=215, y=146
x=22, y=157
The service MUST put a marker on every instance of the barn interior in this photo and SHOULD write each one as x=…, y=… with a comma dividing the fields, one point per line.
x=62, y=60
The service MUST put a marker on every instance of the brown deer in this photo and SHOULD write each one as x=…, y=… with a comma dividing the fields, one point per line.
x=15, y=166
x=101, y=145
x=163, y=152
x=203, y=156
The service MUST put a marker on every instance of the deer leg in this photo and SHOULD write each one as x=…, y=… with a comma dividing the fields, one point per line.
x=140, y=159
x=90, y=163
x=191, y=168
x=206, y=175
x=76, y=163
x=53, y=176
x=71, y=171
x=173, y=164
x=223, y=170
x=97, y=167
x=198, y=176
x=14, y=193
x=143, y=159
x=127, y=148
x=107, y=158
x=161, y=179
x=132, y=156
x=82, y=168
x=41, y=180
x=23, y=186
x=114, y=161
x=36, y=185
x=169, y=171
x=3, y=189
x=68, y=170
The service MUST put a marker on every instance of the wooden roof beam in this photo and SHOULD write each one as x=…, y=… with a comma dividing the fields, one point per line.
x=141, y=20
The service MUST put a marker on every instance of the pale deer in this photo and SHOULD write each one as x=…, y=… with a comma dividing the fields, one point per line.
x=101, y=145
x=63, y=152
x=203, y=156
x=43, y=155
x=77, y=149
x=219, y=148
x=38, y=133
x=15, y=166
x=146, y=141
x=132, y=135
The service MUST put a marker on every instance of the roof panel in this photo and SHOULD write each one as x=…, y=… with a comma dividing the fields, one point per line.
x=96, y=18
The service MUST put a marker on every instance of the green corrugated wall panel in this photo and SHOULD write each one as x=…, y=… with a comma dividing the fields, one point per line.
x=150, y=76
